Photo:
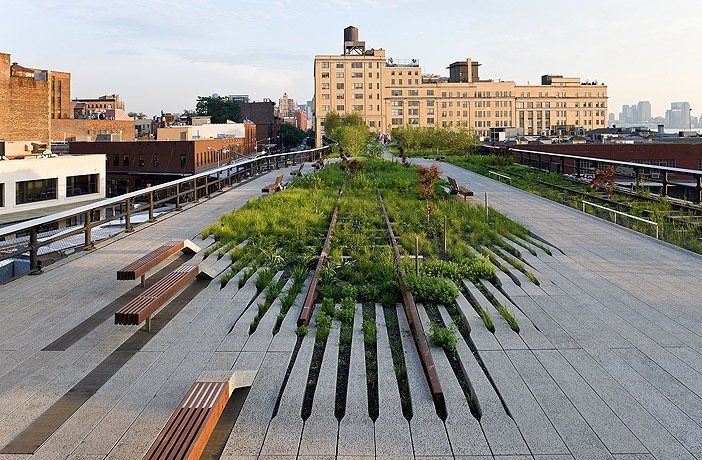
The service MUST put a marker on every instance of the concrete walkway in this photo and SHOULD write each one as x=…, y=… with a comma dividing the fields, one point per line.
x=607, y=363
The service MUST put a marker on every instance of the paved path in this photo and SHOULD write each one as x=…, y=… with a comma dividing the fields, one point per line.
x=607, y=363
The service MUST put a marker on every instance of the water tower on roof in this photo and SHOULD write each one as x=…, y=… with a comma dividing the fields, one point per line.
x=352, y=46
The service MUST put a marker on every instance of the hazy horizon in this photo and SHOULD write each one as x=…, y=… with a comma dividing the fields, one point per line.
x=162, y=55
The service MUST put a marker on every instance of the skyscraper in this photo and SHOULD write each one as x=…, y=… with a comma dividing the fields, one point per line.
x=678, y=116
x=644, y=109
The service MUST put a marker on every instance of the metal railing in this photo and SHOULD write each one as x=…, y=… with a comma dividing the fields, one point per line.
x=584, y=166
x=26, y=238
x=615, y=213
x=500, y=176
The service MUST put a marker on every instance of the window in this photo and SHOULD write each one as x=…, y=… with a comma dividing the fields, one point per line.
x=340, y=96
x=372, y=122
x=155, y=160
x=326, y=96
x=125, y=160
x=325, y=85
x=356, y=65
x=326, y=108
x=184, y=159
x=370, y=107
x=413, y=112
x=430, y=103
x=413, y=103
x=339, y=65
x=430, y=121
x=340, y=75
x=358, y=95
x=325, y=74
x=396, y=112
x=357, y=86
x=325, y=65
x=357, y=108
x=370, y=85
x=115, y=160
x=413, y=121
x=81, y=185
x=396, y=92
x=397, y=121
x=413, y=92
x=357, y=75
x=30, y=191
x=430, y=92
x=141, y=160
x=339, y=86
x=340, y=108
x=397, y=103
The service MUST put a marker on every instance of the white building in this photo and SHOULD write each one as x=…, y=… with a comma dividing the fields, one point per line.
x=206, y=131
x=32, y=186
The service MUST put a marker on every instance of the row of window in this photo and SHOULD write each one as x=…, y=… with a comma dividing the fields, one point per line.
x=354, y=65
x=353, y=75
x=32, y=191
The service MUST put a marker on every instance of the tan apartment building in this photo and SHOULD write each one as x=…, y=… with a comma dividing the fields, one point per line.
x=390, y=93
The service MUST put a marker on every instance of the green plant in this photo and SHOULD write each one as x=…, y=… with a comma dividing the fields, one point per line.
x=264, y=279
x=508, y=316
x=302, y=330
x=347, y=311
x=370, y=332
x=323, y=323
x=328, y=306
x=444, y=337
x=432, y=290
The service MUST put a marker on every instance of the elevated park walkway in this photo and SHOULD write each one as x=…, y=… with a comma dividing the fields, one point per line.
x=607, y=363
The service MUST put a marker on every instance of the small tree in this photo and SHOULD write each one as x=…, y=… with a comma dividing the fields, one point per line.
x=428, y=178
x=604, y=178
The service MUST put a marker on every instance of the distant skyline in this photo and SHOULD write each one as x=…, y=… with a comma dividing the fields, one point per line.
x=161, y=55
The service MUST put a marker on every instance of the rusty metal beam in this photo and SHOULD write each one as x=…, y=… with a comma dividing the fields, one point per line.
x=415, y=323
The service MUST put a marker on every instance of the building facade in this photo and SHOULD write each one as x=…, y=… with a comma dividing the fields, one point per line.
x=390, y=93
x=263, y=115
x=30, y=184
x=136, y=165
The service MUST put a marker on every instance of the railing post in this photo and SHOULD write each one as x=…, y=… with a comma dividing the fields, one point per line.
x=88, y=231
x=177, y=197
x=151, y=206
x=219, y=181
x=207, y=185
x=665, y=183
x=698, y=190
x=194, y=190
x=34, y=266
x=128, y=218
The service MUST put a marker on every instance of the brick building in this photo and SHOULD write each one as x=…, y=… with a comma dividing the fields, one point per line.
x=263, y=115
x=135, y=165
x=36, y=105
x=30, y=99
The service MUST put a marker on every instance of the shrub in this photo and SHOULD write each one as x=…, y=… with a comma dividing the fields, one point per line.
x=428, y=178
x=444, y=337
x=347, y=311
x=328, y=306
x=432, y=290
x=323, y=323
x=302, y=331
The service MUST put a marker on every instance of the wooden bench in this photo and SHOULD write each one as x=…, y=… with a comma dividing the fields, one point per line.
x=145, y=304
x=187, y=431
x=139, y=267
x=275, y=186
x=319, y=164
x=459, y=189
x=298, y=172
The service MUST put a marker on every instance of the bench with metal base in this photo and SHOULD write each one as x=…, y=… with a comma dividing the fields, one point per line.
x=458, y=189
x=185, y=435
x=275, y=186
x=139, y=267
x=145, y=304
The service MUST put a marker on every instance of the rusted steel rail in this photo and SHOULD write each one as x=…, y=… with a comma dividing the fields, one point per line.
x=415, y=323
x=311, y=297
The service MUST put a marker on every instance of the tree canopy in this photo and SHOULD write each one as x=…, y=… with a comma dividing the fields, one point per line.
x=293, y=136
x=218, y=108
x=435, y=138
x=351, y=132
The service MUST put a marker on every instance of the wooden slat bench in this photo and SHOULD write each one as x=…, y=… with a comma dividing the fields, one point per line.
x=145, y=304
x=185, y=435
x=275, y=186
x=139, y=267
x=297, y=172
x=459, y=189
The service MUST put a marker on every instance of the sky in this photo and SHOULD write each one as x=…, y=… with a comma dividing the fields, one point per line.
x=162, y=54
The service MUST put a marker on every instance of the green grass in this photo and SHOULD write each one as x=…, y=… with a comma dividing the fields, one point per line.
x=444, y=337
